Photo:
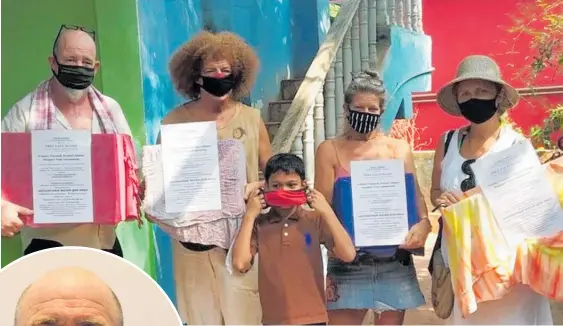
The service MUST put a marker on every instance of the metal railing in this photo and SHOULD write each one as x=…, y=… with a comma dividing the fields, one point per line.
x=350, y=46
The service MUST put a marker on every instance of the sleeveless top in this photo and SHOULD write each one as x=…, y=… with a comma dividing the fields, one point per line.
x=452, y=175
x=245, y=127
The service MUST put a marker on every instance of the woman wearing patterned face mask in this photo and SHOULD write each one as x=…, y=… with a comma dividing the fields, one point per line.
x=215, y=71
x=384, y=281
x=479, y=94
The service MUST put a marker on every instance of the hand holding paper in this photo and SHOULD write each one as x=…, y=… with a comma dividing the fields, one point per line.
x=416, y=238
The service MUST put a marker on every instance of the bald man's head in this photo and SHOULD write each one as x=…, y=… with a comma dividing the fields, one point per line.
x=69, y=296
x=74, y=62
x=74, y=38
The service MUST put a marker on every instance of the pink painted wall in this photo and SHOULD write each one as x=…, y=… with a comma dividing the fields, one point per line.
x=461, y=28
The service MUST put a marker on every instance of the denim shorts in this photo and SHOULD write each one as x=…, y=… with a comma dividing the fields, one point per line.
x=381, y=285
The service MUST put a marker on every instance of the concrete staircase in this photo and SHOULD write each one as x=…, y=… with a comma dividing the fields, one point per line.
x=278, y=109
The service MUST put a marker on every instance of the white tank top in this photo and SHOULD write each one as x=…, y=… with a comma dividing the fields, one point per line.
x=452, y=175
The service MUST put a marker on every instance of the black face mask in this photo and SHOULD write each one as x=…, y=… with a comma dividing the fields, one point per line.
x=363, y=122
x=218, y=86
x=478, y=111
x=75, y=77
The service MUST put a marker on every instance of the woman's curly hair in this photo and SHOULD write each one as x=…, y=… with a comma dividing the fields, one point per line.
x=186, y=63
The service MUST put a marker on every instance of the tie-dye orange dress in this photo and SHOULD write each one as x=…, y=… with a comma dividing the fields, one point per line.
x=521, y=305
x=485, y=268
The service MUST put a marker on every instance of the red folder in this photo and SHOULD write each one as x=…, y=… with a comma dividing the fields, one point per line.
x=114, y=180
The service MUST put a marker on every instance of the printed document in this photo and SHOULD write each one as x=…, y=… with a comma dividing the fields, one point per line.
x=379, y=201
x=521, y=197
x=62, y=176
x=190, y=161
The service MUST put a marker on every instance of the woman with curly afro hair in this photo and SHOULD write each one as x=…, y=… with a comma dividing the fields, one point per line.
x=215, y=71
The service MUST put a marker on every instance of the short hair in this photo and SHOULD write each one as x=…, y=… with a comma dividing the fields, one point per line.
x=368, y=81
x=186, y=63
x=285, y=162
x=120, y=317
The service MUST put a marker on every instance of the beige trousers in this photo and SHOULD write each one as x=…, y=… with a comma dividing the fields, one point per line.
x=207, y=295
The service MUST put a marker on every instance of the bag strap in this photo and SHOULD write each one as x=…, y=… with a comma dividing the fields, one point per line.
x=438, y=244
x=449, y=136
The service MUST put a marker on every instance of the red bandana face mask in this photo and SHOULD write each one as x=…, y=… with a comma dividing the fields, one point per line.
x=285, y=198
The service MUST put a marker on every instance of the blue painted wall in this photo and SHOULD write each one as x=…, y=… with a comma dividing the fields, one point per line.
x=284, y=33
x=163, y=26
x=310, y=23
x=406, y=69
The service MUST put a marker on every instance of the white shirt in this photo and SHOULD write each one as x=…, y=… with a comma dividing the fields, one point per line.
x=86, y=235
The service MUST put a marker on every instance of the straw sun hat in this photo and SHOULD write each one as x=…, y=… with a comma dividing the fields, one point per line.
x=477, y=67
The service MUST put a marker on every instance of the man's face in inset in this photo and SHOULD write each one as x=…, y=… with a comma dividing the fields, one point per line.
x=69, y=297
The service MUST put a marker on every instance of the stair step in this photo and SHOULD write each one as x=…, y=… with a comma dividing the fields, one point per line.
x=272, y=128
x=289, y=88
x=278, y=109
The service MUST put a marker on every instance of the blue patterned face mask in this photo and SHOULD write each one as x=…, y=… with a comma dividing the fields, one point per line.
x=363, y=122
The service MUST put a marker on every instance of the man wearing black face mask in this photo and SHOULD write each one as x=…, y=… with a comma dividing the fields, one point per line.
x=69, y=101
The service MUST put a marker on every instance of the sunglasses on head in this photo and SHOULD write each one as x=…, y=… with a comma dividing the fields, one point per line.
x=73, y=28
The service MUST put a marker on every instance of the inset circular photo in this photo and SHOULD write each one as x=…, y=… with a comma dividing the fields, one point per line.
x=75, y=286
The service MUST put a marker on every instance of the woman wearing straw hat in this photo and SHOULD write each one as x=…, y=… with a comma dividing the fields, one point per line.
x=479, y=95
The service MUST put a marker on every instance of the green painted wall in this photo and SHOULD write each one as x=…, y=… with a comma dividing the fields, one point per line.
x=121, y=64
x=121, y=78
x=29, y=28
x=28, y=31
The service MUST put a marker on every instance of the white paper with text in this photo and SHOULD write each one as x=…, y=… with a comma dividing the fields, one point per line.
x=62, y=176
x=379, y=202
x=190, y=161
x=521, y=197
